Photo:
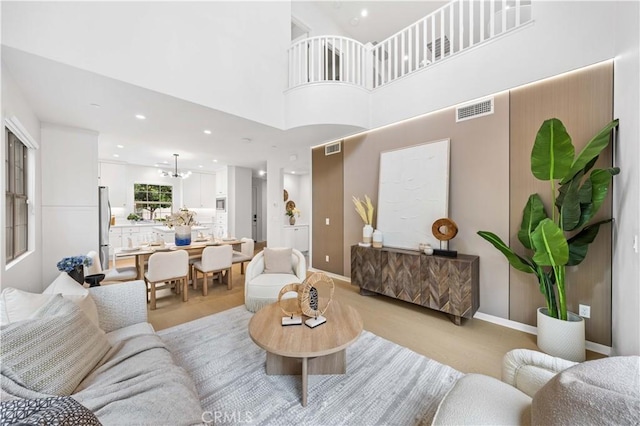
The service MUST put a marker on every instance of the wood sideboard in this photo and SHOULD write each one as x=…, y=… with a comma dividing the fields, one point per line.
x=446, y=284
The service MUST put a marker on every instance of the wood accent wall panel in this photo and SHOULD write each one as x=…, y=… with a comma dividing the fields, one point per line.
x=583, y=100
x=327, y=202
x=450, y=285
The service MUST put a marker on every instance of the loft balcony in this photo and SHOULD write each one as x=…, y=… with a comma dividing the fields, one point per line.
x=455, y=28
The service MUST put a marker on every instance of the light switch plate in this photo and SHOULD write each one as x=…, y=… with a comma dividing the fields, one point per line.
x=584, y=311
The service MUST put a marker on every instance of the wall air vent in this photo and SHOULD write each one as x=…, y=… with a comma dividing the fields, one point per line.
x=438, y=52
x=333, y=148
x=474, y=110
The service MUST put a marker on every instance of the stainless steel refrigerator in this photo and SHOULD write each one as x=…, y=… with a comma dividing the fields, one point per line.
x=104, y=223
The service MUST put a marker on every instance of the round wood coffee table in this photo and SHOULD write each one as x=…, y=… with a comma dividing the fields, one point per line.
x=298, y=349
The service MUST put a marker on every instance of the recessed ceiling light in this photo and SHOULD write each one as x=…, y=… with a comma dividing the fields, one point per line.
x=207, y=132
x=120, y=146
x=95, y=105
x=200, y=165
x=364, y=13
x=262, y=172
x=293, y=173
x=116, y=155
x=140, y=117
x=215, y=161
x=165, y=162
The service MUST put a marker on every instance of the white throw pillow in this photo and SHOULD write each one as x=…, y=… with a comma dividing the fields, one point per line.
x=17, y=305
x=277, y=261
x=53, y=351
x=72, y=290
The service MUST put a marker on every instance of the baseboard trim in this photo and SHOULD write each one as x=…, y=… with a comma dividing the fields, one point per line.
x=594, y=347
x=591, y=346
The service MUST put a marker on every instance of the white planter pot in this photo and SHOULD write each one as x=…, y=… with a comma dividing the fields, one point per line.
x=564, y=339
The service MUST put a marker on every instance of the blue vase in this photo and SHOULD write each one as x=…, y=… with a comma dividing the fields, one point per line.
x=183, y=235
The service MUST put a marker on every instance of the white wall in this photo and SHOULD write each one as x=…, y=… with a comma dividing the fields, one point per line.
x=26, y=272
x=177, y=48
x=239, y=201
x=69, y=195
x=315, y=19
x=626, y=186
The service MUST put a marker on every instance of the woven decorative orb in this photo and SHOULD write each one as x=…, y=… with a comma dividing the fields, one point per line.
x=286, y=289
x=310, y=304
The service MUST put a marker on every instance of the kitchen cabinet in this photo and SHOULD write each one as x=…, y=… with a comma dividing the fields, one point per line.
x=221, y=182
x=297, y=237
x=220, y=226
x=139, y=234
x=199, y=191
x=114, y=176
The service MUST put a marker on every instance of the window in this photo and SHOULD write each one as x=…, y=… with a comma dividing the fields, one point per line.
x=17, y=218
x=153, y=201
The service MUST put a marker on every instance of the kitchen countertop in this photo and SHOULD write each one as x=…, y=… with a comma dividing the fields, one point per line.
x=167, y=229
x=152, y=224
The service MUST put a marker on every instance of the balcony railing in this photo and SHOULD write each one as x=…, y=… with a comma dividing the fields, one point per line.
x=326, y=58
x=454, y=28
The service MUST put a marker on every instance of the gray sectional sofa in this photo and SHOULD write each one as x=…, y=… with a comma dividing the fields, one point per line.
x=135, y=380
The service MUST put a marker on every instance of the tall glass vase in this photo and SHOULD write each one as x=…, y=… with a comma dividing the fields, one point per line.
x=183, y=235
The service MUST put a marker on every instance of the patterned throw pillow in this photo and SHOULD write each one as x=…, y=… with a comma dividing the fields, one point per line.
x=55, y=410
x=52, y=352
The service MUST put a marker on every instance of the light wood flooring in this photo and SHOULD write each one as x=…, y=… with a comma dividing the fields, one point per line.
x=474, y=347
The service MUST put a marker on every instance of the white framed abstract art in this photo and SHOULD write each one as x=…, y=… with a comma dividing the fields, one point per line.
x=413, y=192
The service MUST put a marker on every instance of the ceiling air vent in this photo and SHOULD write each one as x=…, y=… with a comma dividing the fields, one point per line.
x=333, y=148
x=474, y=110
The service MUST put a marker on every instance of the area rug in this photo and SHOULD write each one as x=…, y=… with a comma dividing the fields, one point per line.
x=385, y=384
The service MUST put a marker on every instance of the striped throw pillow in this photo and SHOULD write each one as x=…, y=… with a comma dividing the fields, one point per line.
x=54, y=350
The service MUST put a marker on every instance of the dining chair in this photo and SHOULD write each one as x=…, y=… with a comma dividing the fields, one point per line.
x=246, y=253
x=168, y=269
x=215, y=259
x=127, y=273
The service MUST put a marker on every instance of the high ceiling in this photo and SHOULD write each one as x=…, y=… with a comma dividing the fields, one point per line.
x=65, y=95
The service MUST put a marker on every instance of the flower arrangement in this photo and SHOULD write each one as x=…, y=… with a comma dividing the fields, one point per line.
x=68, y=264
x=184, y=217
x=364, y=209
x=293, y=211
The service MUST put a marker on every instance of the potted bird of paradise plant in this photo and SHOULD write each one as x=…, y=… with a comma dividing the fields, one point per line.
x=562, y=239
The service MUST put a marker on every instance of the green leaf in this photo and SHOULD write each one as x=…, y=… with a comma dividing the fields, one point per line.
x=591, y=151
x=514, y=259
x=579, y=243
x=551, y=248
x=585, y=192
x=532, y=214
x=600, y=180
x=552, y=153
x=570, y=210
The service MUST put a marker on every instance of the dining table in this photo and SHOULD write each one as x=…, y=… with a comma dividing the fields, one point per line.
x=143, y=252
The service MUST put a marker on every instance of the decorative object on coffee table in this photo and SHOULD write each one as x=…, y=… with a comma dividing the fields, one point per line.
x=74, y=266
x=292, y=316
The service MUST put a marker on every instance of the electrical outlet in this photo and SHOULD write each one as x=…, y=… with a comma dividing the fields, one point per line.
x=584, y=311
x=326, y=258
x=326, y=221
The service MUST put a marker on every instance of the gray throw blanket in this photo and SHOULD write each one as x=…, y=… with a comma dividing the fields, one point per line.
x=137, y=382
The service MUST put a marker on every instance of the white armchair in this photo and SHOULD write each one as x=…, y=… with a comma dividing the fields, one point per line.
x=260, y=288
x=537, y=388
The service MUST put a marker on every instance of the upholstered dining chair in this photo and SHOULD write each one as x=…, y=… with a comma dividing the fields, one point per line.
x=215, y=259
x=127, y=273
x=167, y=269
x=245, y=254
